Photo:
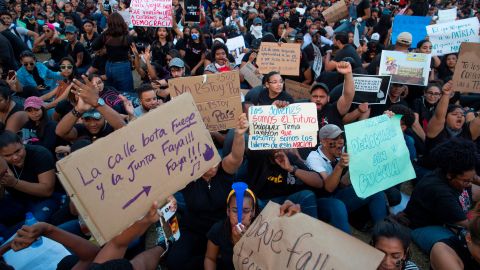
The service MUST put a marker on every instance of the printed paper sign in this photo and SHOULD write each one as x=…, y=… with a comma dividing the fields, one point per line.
x=217, y=97
x=447, y=37
x=114, y=181
x=284, y=58
x=336, y=12
x=294, y=126
x=192, y=11
x=235, y=47
x=371, y=88
x=251, y=75
x=447, y=15
x=151, y=13
x=415, y=25
x=467, y=71
x=379, y=157
x=406, y=68
x=297, y=90
x=300, y=242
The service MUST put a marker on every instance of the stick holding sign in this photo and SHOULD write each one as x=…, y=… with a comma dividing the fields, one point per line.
x=379, y=157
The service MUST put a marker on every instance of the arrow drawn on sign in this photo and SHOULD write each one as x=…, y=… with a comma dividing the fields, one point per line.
x=146, y=190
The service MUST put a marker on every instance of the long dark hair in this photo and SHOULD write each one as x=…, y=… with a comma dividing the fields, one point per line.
x=74, y=69
x=7, y=137
x=116, y=26
x=43, y=123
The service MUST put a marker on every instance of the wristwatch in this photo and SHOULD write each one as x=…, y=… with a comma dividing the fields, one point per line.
x=295, y=168
x=100, y=102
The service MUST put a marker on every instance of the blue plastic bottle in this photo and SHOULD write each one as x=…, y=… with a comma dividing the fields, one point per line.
x=29, y=221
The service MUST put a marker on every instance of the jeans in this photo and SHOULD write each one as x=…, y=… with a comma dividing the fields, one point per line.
x=119, y=75
x=349, y=27
x=377, y=204
x=334, y=212
x=305, y=198
x=426, y=237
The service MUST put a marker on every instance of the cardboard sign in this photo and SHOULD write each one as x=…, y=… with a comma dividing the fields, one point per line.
x=447, y=15
x=467, y=71
x=251, y=74
x=235, y=47
x=294, y=126
x=447, y=37
x=414, y=25
x=192, y=11
x=406, y=68
x=336, y=12
x=284, y=58
x=379, y=157
x=300, y=242
x=217, y=97
x=297, y=90
x=372, y=89
x=151, y=13
x=114, y=181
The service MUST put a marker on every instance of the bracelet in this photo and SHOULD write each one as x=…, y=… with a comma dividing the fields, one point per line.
x=76, y=113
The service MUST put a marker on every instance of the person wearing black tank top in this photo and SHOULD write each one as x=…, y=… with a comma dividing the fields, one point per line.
x=11, y=113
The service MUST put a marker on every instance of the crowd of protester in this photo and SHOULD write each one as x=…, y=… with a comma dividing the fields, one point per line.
x=75, y=71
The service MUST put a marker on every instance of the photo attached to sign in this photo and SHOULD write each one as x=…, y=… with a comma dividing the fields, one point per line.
x=294, y=126
x=372, y=89
x=406, y=68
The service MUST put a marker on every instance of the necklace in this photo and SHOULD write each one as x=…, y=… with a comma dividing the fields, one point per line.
x=16, y=174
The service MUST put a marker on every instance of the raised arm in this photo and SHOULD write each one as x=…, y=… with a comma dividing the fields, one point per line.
x=233, y=161
x=345, y=101
x=437, y=122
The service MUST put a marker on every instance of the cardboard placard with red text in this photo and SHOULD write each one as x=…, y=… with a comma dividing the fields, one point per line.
x=151, y=13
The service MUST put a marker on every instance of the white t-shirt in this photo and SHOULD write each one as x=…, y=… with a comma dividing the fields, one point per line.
x=317, y=161
x=230, y=21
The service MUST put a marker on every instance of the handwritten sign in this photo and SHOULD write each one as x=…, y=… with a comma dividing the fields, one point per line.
x=405, y=68
x=336, y=12
x=284, y=58
x=371, y=88
x=379, y=157
x=447, y=15
x=467, y=71
x=251, y=75
x=192, y=11
x=235, y=47
x=217, y=97
x=414, y=25
x=151, y=13
x=294, y=126
x=300, y=242
x=297, y=90
x=114, y=181
x=447, y=37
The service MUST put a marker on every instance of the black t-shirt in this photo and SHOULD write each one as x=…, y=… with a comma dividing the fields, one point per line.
x=206, y=202
x=348, y=51
x=31, y=134
x=88, y=42
x=219, y=235
x=63, y=107
x=159, y=52
x=444, y=135
x=329, y=115
x=37, y=161
x=79, y=48
x=264, y=99
x=361, y=8
x=434, y=202
x=193, y=51
x=83, y=133
x=17, y=43
x=268, y=180
x=459, y=245
x=117, y=47
x=57, y=50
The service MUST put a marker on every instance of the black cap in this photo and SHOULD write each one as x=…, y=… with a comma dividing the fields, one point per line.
x=317, y=85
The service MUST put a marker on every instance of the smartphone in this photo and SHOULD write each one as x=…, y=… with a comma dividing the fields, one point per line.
x=11, y=74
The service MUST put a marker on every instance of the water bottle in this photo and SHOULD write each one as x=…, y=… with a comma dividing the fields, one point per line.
x=29, y=221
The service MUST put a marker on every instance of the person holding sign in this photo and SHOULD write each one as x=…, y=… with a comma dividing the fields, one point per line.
x=330, y=161
x=225, y=234
x=205, y=200
x=273, y=92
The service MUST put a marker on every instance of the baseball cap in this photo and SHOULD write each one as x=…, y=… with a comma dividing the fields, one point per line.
x=404, y=38
x=375, y=37
x=329, y=131
x=33, y=102
x=257, y=21
x=252, y=10
x=92, y=114
x=71, y=29
x=317, y=85
x=176, y=62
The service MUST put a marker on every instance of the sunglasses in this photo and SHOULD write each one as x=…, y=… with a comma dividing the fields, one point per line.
x=69, y=67
x=29, y=64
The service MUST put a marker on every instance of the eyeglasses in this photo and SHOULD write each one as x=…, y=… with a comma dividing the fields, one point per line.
x=244, y=210
x=275, y=82
x=29, y=64
x=66, y=67
x=433, y=94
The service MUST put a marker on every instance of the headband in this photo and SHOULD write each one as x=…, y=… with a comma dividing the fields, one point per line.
x=247, y=190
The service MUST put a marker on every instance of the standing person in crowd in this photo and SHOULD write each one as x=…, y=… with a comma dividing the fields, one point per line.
x=193, y=50
x=117, y=43
x=161, y=46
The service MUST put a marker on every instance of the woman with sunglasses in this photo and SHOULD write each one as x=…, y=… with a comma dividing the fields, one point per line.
x=68, y=72
x=34, y=76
